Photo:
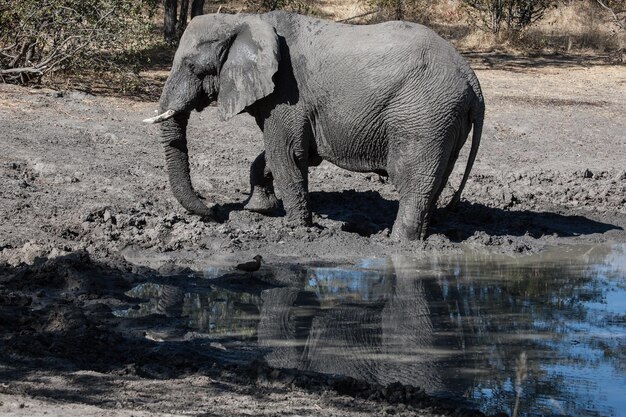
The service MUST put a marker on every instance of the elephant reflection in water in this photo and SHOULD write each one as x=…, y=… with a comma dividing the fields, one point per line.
x=386, y=337
x=170, y=301
x=375, y=326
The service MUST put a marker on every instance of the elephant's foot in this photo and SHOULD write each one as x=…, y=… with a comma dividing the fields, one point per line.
x=404, y=233
x=299, y=220
x=413, y=217
x=262, y=201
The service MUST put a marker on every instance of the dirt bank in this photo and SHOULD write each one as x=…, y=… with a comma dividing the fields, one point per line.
x=84, y=197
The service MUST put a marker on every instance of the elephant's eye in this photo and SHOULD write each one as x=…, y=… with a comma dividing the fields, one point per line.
x=199, y=68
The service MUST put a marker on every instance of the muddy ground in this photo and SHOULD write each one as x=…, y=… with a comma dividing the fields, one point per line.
x=86, y=212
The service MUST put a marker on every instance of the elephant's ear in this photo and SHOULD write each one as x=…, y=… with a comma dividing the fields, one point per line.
x=252, y=61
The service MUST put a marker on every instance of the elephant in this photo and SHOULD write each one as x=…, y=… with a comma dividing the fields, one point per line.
x=392, y=98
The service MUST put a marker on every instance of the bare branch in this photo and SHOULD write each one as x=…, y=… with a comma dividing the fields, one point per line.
x=8, y=48
x=616, y=18
x=27, y=70
x=59, y=34
x=358, y=16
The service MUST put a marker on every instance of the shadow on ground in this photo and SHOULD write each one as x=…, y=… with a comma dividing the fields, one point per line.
x=470, y=218
x=368, y=213
x=524, y=63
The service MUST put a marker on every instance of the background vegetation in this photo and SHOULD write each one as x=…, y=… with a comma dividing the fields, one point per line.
x=41, y=37
x=113, y=41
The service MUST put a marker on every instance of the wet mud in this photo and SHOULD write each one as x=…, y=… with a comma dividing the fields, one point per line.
x=82, y=172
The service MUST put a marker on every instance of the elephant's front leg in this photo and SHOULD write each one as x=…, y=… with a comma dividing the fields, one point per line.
x=262, y=197
x=287, y=156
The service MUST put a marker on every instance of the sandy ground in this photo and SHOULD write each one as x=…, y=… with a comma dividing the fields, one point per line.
x=86, y=211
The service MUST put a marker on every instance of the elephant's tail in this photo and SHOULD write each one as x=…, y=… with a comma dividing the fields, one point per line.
x=477, y=116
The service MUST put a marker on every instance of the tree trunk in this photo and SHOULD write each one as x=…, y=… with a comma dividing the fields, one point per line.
x=182, y=17
x=197, y=8
x=399, y=10
x=169, y=21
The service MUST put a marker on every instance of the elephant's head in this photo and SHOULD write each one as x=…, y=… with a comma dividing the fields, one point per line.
x=228, y=58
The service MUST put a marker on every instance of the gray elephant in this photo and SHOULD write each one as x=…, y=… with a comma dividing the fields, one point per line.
x=393, y=98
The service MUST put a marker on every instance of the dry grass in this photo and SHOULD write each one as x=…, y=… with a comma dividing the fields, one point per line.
x=343, y=9
x=579, y=26
x=576, y=28
x=572, y=27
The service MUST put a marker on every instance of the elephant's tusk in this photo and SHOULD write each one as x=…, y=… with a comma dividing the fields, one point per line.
x=161, y=117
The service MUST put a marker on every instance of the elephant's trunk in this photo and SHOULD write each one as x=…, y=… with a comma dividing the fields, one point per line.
x=174, y=138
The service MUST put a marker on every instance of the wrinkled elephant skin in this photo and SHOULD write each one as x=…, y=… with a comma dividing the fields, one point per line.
x=393, y=98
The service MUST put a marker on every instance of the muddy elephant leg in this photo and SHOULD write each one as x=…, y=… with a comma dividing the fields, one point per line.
x=262, y=197
x=288, y=159
x=413, y=217
x=418, y=173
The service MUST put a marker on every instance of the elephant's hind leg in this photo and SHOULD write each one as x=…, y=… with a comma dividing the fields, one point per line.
x=413, y=218
x=262, y=197
x=418, y=172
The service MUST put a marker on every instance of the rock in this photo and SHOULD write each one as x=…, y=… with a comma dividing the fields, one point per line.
x=110, y=137
x=587, y=173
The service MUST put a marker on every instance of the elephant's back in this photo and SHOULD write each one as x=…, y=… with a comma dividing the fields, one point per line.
x=368, y=60
x=332, y=42
x=368, y=81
